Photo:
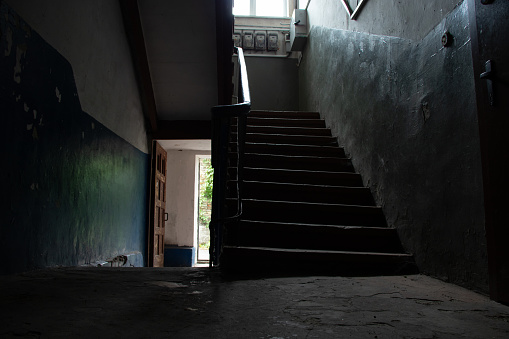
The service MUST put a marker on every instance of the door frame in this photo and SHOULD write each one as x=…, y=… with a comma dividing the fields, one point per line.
x=155, y=219
x=496, y=231
x=197, y=202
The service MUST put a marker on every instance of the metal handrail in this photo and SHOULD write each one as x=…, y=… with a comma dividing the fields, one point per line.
x=221, y=123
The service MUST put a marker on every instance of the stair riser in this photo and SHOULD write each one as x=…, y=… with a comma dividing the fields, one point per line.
x=305, y=123
x=291, y=139
x=321, y=194
x=296, y=163
x=284, y=114
x=324, y=151
x=241, y=260
x=287, y=130
x=310, y=213
x=311, y=178
x=314, y=237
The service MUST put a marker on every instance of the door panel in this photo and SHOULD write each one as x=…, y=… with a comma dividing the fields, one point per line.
x=158, y=207
x=489, y=28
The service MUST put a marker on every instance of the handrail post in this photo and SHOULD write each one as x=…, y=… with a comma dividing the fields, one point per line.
x=221, y=123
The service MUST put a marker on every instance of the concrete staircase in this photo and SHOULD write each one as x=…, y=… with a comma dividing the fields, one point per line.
x=305, y=210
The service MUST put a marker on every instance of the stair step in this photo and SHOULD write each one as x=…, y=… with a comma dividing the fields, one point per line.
x=305, y=193
x=289, y=149
x=282, y=130
x=300, y=176
x=318, y=140
x=284, y=114
x=304, y=210
x=308, y=236
x=309, y=213
x=295, y=162
x=283, y=122
x=281, y=260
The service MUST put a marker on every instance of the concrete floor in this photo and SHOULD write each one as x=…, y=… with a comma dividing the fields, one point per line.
x=199, y=302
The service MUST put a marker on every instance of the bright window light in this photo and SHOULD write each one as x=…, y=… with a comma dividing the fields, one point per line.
x=303, y=4
x=276, y=8
x=241, y=7
x=270, y=8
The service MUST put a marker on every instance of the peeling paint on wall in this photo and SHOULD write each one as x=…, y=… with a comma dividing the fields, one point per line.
x=20, y=56
x=71, y=200
x=57, y=93
x=8, y=38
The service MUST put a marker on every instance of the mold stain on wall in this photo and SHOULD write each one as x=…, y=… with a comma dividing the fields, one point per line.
x=74, y=191
x=405, y=110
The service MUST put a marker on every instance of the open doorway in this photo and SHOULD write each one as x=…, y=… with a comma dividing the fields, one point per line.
x=205, y=175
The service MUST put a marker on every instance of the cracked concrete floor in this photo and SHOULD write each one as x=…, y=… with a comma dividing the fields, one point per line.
x=198, y=302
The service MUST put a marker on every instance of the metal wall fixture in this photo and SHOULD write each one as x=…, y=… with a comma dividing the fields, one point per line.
x=355, y=13
x=260, y=41
x=272, y=41
x=237, y=39
x=248, y=40
x=447, y=39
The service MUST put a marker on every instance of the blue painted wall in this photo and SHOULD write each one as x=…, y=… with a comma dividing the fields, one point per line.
x=179, y=256
x=73, y=192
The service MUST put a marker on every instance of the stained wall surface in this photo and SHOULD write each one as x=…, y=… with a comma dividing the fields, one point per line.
x=405, y=19
x=405, y=111
x=74, y=191
x=90, y=35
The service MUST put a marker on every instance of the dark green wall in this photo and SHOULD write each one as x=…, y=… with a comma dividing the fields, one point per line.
x=73, y=192
x=406, y=113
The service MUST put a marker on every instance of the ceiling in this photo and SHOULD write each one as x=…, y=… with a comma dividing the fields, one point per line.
x=180, y=42
x=186, y=144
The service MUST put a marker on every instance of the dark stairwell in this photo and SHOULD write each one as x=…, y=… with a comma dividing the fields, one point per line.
x=304, y=209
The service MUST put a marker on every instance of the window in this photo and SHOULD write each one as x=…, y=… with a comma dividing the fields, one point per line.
x=276, y=8
x=303, y=4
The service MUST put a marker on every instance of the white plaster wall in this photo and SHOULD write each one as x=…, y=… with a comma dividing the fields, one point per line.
x=180, y=197
x=90, y=35
x=409, y=19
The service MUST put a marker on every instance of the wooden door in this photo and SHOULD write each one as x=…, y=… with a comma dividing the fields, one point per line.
x=158, y=207
x=489, y=28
